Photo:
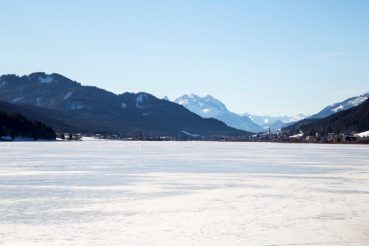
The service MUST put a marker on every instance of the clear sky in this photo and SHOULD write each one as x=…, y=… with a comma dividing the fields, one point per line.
x=265, y=57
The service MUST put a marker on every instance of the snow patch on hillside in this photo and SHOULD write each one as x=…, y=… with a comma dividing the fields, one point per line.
x=359, y=100
x=76, y=106
x=17, y=99
x=194, y=135
x=140, y=100
x=45, y=80
x=337, y=109
x=68, y=95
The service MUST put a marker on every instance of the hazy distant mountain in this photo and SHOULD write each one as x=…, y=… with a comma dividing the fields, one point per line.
x=340, y=106
x=355, y=119
x=274, y=122
x=69, y=105
x=210, y=107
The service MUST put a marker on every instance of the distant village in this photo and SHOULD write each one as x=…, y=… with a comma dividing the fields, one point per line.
x=268, y=136
x=138, y=137
x=311, y=137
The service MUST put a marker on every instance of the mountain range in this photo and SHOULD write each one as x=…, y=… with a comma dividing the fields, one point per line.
x=67, y=105
x=210, y=107
x=334, y=118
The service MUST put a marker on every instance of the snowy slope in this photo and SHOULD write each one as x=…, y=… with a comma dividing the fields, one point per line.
x=340, y=106
x=363, y=134
x=210, y=107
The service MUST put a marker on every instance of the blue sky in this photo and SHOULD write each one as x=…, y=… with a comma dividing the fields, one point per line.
x=264, y=57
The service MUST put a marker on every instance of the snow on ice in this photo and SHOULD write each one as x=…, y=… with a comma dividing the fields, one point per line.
x=183, y=193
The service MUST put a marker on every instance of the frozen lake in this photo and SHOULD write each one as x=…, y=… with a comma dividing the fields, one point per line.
x=183, y=193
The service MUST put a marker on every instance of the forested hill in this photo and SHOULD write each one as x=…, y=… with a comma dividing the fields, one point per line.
x=353, y=120
x=15, y=126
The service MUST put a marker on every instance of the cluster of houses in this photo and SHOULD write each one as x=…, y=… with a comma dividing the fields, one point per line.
x=301, y=137
x=69, y=136
x=78, y=137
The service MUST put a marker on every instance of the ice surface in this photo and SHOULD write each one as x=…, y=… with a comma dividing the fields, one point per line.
x=183, y=193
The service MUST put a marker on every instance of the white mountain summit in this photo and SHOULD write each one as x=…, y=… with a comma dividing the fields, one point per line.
x=210, y=107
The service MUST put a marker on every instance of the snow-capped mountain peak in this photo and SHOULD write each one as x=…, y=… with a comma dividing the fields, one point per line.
x=210, y=107
x=207, y=107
